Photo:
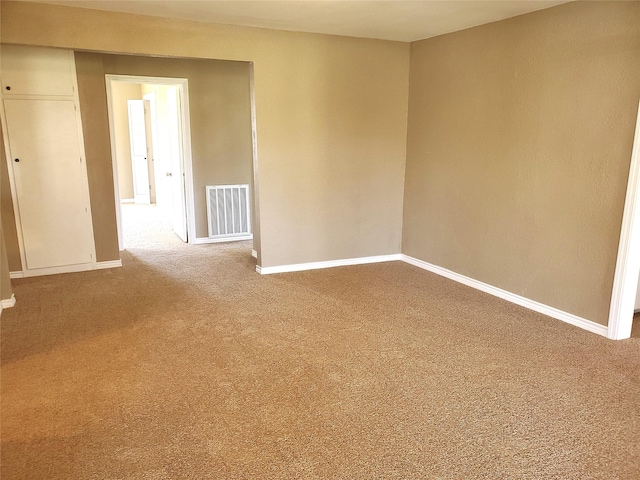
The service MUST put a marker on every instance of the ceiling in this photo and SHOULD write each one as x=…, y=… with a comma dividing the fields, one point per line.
x=402, y=20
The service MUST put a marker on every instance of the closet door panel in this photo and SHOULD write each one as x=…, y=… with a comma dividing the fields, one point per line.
x=50, y=182
x=36, y=71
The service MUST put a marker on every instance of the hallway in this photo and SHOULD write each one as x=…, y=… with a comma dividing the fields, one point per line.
x=144, y=226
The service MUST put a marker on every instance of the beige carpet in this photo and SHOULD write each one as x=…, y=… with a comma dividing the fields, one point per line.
x=187, y=364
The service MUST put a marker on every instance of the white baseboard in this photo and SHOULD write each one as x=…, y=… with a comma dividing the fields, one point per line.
x=254, y=254
x=470, y=282
x=109, y=264
x=201, y=240
x=511, y=297
x=298, y=267
x=83, y=267
x=127, y=200
x=8, y=302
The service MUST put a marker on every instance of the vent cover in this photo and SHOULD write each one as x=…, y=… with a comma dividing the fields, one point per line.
x=228, y=211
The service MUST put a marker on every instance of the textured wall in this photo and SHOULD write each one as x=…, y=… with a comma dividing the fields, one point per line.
x=5, y=282
x=519, y=143
x=331, y=120
x=97, y=145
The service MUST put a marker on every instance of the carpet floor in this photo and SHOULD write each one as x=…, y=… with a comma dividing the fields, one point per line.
x=185, y=363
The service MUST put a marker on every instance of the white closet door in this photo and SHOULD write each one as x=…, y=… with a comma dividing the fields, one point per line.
x=50, y=181
x=36, y=71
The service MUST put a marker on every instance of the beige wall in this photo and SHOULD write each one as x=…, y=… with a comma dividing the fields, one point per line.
x=331, y=121
x=121, y=92
x=517, y=150
x=93, y=103
x=519, y=143
x=5, y=282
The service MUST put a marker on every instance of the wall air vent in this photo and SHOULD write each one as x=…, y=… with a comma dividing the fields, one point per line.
x=228, y=213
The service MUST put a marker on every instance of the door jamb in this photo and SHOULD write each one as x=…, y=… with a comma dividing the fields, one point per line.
x=625, y=280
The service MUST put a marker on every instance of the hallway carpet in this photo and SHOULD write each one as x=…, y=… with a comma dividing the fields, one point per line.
x=186, y=364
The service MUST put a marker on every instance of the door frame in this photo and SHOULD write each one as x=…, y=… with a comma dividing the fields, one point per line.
x=182, y=84
x=94, y=264
x=625, y=280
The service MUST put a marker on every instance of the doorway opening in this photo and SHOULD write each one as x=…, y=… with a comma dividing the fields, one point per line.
x=151, y=149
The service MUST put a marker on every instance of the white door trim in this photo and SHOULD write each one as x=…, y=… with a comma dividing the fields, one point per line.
x=256, y=223
x=183, y=88
x=625, y=281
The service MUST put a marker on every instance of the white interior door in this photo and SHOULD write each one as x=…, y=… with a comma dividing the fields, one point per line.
x=50, y=182
x=179, y=211
x=150, y=152
x=138, y=140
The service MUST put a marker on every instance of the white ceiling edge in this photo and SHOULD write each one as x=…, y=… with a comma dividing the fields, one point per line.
x=397, y=20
